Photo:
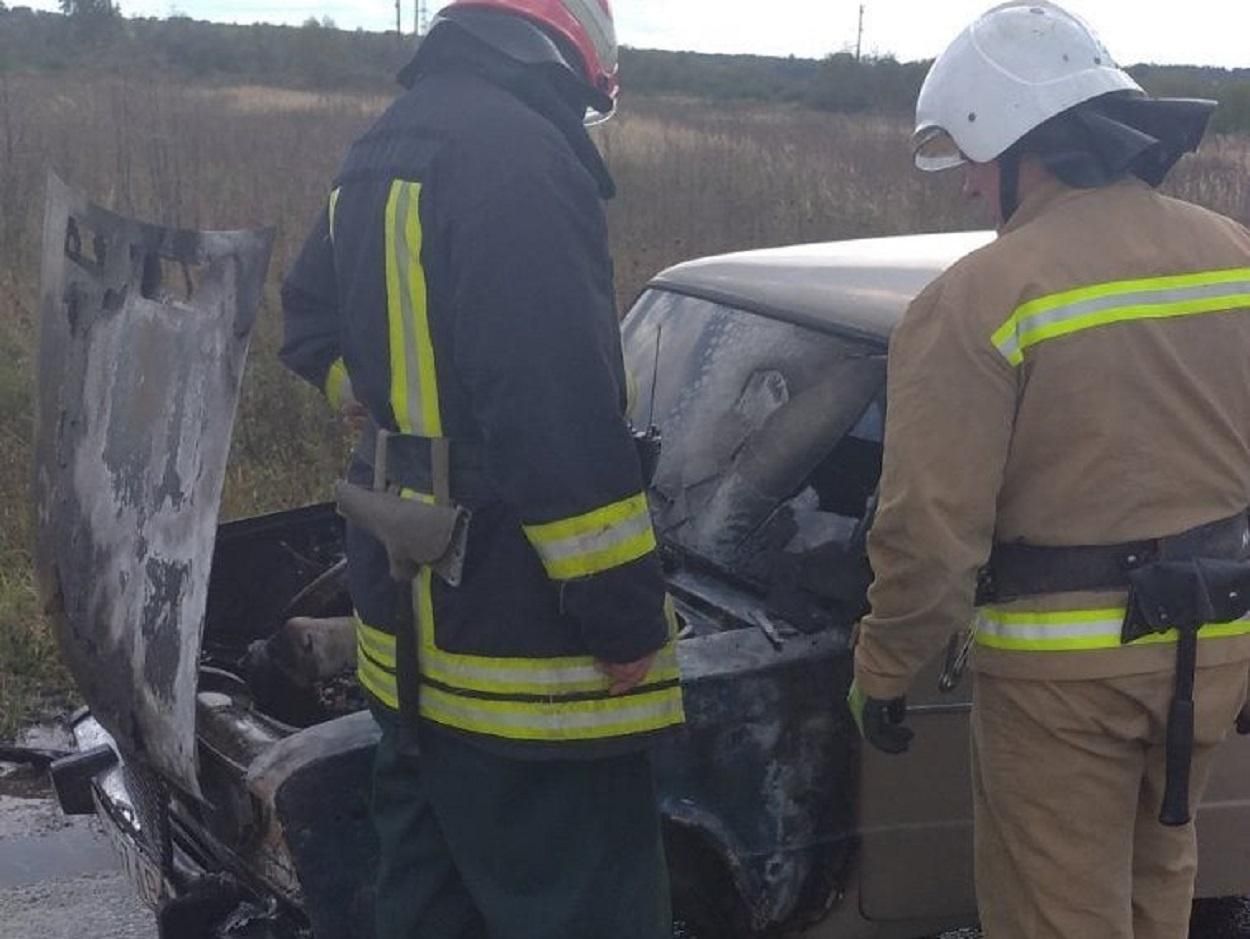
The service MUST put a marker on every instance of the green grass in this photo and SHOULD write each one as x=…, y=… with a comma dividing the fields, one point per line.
x=33, y=682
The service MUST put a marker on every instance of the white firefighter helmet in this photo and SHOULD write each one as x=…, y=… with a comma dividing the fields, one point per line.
x=1013, y=69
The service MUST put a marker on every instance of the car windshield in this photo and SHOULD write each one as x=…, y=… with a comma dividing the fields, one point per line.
x=771, y=434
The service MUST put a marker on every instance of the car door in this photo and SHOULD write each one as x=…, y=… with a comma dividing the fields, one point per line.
x=915, y=814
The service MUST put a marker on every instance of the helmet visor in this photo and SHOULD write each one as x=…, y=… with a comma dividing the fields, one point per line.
x=936, y=150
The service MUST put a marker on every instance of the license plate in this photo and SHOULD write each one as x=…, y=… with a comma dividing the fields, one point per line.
x=141, y=870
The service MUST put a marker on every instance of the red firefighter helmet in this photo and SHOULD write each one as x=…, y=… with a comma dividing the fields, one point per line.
x=585, y=25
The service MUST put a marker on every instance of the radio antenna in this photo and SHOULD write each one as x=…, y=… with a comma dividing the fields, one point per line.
x=655, y=374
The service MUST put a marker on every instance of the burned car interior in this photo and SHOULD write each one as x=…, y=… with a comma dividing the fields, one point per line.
x=771, y=455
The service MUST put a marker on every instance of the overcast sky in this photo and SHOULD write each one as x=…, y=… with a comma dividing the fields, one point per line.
x=1204, y=32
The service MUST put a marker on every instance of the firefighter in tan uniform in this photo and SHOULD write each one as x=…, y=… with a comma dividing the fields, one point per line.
x=1067, y=468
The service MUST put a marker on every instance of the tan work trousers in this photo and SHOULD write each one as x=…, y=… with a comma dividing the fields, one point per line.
x=1067, y=781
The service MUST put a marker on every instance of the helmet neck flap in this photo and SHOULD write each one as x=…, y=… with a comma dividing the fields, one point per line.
x=1103, y=140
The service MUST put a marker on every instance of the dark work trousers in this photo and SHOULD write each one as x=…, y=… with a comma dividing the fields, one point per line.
x=475, y=845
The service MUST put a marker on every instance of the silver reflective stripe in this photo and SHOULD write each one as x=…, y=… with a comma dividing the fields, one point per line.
x=555, y=720
x=579, y=545
x=556, y=678
x=1140, y=300
x=1122, y=301
x=1041, y=628
x=1075, y=630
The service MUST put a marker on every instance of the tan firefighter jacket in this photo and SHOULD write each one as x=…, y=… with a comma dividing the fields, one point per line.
x=1083, y=380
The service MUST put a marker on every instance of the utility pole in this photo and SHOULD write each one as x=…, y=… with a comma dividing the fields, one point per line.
x=399, y=25
x=421, y=23
x=859, y=36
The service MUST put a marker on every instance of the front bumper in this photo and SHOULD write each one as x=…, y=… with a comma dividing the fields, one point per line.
x=125, y=804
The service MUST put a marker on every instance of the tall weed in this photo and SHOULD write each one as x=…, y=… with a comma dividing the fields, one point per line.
x=695, y=178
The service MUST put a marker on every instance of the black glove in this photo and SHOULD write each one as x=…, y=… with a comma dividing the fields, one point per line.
x=880, y=722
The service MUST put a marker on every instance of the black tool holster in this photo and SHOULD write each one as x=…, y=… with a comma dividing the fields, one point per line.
x=1184, y=582
x=1184, y=595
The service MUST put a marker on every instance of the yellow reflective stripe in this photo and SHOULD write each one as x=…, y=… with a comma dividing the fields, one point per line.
x=431, y=423
x=555, y=718
x=554, y=677
x=1075, y=630
x=557, y=676
x=334, y=204
x=395, y=313
x=336, y=381
x=378, y=681
x=414, y=379
x=597, y=541
x=380, y=645
x=1098, y=305
x=552, y=722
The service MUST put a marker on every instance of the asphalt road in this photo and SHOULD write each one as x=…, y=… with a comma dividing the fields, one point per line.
x=59, y=876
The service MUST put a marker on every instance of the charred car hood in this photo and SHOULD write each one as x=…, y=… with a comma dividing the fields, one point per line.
x=143, y=335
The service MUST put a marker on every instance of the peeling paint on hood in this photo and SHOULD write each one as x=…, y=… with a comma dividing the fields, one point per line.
x=143, y=336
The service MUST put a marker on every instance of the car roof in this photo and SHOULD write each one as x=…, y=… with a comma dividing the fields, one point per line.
x=860, y=287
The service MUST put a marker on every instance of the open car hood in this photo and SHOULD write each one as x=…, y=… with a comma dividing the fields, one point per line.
x=143, y=336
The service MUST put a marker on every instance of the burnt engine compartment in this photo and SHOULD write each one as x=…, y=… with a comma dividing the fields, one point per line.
x=267, y=571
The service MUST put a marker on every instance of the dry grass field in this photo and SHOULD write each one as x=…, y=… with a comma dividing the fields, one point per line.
x=695, y=178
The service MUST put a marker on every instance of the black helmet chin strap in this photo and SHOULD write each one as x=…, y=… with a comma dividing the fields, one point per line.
x=1009, y=183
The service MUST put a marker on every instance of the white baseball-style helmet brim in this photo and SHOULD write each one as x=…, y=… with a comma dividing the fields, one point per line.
x=1012, y=70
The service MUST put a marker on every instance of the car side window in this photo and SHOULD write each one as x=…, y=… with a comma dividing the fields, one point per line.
x=771, y=442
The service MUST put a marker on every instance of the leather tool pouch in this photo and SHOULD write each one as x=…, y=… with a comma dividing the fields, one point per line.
x=414, y=533
x=1182, y=594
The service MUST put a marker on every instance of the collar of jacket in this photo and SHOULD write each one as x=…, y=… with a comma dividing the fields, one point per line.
x=536, y=86
x=1051, y=193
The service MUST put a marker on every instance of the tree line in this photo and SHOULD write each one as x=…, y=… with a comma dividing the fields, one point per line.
x=92, y=35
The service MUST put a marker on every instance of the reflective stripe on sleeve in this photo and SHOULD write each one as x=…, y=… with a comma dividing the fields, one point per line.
x=414, y=381
x=1074, y=311
x=1075, y=630
x=595, y=542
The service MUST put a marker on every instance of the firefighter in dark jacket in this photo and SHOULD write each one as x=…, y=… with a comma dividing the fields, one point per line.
x=457, y=289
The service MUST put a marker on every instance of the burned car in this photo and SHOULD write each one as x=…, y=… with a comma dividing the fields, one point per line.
x=228, y=750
